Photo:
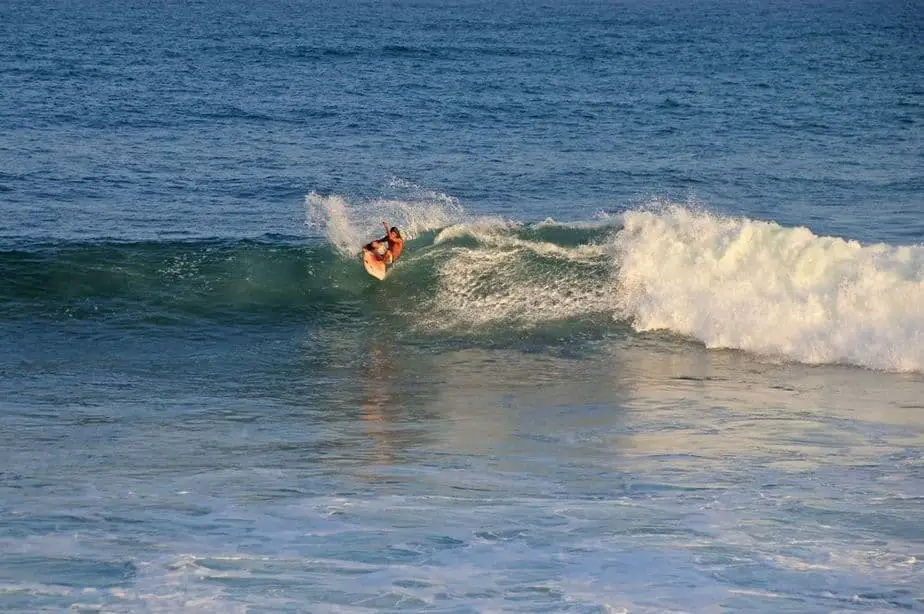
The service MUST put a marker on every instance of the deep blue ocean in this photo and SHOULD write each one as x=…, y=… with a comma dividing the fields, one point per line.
x=655, y=344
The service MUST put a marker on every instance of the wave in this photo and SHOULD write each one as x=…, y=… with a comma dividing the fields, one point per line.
x=726, y=282
x=166, y=281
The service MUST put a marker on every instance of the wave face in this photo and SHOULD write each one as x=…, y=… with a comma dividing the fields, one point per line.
x=726, y=282
x=163, y=282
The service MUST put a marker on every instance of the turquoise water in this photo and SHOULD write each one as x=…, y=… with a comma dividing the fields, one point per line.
x=656, y=343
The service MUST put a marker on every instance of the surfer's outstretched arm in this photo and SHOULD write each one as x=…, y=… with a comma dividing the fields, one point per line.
x=385, y=226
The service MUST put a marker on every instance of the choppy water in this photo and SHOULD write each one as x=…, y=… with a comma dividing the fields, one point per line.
x=656, y=343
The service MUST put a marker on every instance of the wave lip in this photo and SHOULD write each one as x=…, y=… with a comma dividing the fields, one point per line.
x=757, y=286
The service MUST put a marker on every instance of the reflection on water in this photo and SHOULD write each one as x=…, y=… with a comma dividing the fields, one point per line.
x=379, y=406
x=717, y=405
x=618, y=407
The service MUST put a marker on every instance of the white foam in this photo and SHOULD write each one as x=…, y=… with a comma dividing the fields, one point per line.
x=506, y=278
x=482, y=229
x=495, y=234
x=758, y=286
x=331, y=216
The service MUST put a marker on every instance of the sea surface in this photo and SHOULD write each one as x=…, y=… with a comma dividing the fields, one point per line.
x=655, y=344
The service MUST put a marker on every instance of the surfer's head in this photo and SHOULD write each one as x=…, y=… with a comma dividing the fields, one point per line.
x=394, y=231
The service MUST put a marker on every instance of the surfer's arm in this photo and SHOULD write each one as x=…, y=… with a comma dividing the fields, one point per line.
x=385, y=226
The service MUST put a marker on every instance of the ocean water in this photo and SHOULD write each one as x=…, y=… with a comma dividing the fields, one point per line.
x=656, y=343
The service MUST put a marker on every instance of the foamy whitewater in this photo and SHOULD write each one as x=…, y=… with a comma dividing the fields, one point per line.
x=761, y=287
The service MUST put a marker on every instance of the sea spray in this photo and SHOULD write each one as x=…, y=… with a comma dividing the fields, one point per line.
x=348, y=225
x=330, y=216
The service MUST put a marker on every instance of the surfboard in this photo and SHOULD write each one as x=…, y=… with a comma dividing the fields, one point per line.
x=373, y=265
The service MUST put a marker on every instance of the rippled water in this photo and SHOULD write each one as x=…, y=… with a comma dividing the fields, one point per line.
x=654, y=344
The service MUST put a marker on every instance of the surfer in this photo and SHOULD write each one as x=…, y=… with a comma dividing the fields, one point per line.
x=395, y=243
x=388, y=248
x=382, y=252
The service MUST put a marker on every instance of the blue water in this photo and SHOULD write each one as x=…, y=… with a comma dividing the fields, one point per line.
x=656, y=343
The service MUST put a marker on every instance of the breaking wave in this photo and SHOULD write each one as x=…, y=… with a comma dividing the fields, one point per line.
x=761, y=287
x=724, y=281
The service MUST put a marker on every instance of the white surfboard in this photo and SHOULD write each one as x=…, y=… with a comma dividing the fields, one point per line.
x=373, y=265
